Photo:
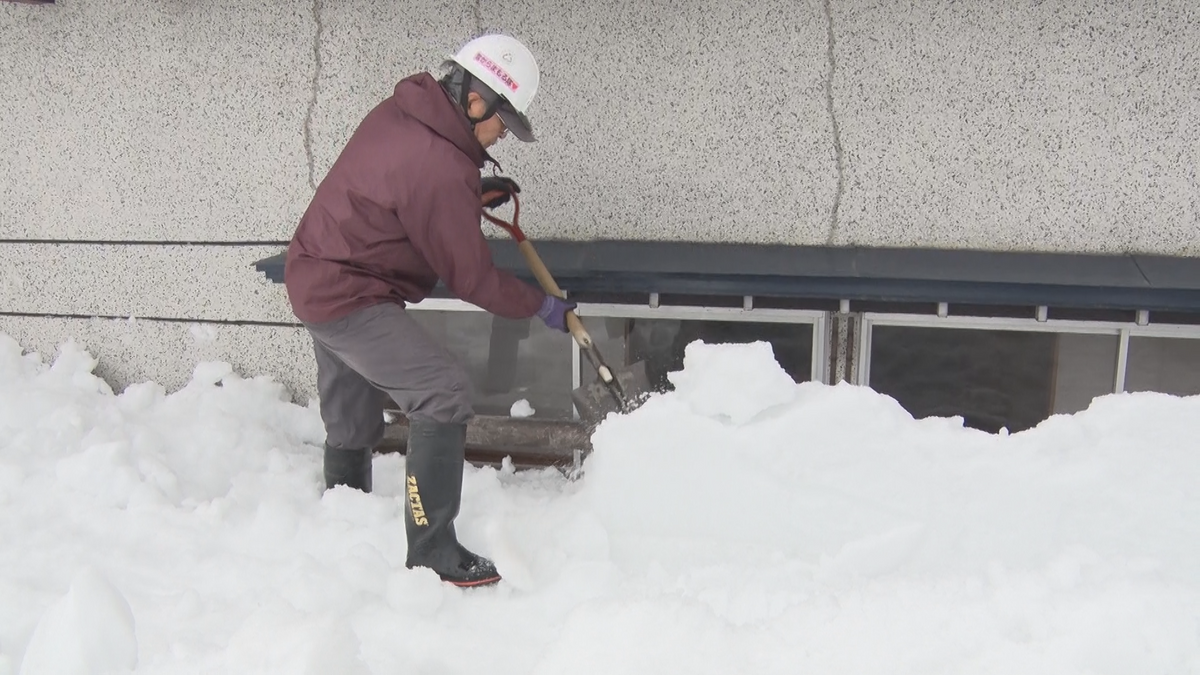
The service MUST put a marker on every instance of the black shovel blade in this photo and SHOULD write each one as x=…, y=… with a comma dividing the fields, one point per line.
x=595, y=401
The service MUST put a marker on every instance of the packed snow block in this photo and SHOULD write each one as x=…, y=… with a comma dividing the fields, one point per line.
x=90, y=631
x=733, y=383
x=155, y=121
x=1051, y=126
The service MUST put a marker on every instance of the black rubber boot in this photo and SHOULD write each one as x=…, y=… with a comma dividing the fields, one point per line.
x=348, y=467
x=433, y=480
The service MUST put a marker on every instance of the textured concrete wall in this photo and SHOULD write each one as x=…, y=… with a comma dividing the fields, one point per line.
x=159, y=120
x=203, y=125
x=1067, y=126
x=1061, y=126
x=205, y=283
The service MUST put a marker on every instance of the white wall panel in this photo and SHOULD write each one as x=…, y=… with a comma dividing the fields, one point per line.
x=130, y=352
x=214, y=283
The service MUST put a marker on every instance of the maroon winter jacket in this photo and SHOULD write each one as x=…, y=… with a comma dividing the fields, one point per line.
x=399, y=209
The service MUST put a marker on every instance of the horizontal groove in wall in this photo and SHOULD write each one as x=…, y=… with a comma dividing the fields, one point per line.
x=168, y=352
x=214, y=283
x=146, y=242
x=164, y=319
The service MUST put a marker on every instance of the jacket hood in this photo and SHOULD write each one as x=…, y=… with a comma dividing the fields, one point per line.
x=422, y=98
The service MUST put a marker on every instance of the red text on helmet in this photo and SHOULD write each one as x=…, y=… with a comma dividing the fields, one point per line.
x=496, y=70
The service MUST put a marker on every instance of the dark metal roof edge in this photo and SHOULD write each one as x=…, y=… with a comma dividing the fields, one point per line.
x=1111, y=281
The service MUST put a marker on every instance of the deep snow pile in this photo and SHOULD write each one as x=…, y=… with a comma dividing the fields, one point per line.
x=740, y=524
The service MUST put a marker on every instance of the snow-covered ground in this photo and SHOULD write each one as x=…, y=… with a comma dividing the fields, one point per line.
x=742, y=524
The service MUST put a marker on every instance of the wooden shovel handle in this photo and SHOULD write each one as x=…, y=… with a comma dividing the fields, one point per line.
x=550, y=286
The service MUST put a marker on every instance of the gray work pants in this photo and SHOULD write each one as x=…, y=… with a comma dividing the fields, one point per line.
x=376, y=351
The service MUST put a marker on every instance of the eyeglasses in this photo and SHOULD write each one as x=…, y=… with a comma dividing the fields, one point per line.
x=507, y=108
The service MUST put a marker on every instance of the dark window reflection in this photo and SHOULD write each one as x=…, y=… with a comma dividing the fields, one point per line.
x=1167, y=365
x=507, y=360
x=660, y=343
x=1085, y=367
x=993, y=379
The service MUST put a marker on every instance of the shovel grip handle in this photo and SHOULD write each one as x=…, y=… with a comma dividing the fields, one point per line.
x=539, y=269
x=550, y=286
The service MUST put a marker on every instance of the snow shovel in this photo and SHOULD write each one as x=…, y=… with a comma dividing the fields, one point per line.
x=618, y=390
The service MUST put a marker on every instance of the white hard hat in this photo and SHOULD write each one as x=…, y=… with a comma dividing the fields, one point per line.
x=508, y=68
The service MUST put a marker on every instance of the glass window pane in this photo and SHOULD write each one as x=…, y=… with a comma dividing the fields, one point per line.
x=992, y=378
x=1086, y=368
x=1168, y=365
x=507, y=360
x=660, y=343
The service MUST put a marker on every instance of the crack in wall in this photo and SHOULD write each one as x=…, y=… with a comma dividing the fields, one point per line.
x=314, y=87
x=831, y=59
x=478, y=9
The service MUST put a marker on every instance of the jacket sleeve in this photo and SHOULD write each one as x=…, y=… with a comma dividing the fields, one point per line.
x=443, y=223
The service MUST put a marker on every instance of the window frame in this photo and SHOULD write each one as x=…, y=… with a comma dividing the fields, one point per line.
x=821, y=322
x=1122, y=330
x=747, y=313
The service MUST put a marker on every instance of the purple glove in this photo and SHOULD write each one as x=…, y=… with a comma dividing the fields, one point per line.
x=554, y=312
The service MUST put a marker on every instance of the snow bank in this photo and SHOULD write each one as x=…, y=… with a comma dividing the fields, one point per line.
x=90, y=631
x=741, y=523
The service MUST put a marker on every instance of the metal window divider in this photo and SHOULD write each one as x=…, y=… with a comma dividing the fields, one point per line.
x=1122, y=361
x=576, y=374
x=863, y=360
x=845, y=337
x=820, y=349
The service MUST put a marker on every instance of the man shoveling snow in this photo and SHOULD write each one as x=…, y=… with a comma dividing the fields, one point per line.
x=399, y=210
